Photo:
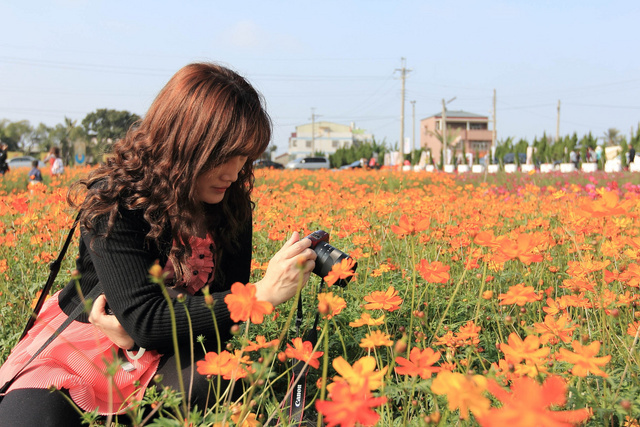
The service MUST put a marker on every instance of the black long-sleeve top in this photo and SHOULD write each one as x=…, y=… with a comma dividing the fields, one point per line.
x=120, y=265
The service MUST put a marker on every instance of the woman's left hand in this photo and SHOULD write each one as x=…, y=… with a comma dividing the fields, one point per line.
x=109, y=325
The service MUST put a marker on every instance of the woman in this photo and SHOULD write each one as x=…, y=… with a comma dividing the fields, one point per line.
x=176, y=191
x=55, y=161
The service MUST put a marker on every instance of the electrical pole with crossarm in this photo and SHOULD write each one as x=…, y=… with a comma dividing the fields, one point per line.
x=403, y=76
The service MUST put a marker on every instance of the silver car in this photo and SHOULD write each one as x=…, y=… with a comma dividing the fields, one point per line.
x=309, y=163
x=23, y=162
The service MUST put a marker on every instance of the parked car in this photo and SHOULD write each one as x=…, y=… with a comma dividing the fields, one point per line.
x=263, y=163
x=354, y=165
x=511, y=158
x=309, y=163
x=23, y=162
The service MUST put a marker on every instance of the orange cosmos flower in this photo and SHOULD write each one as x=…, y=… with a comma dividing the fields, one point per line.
x=363, y=373
x=420, y=363
x=463, y=392
x=522, y=248
x=448, y=340
x=340, y=271
x=528, y=350
x=348, y=408
x=376, y=339
x=584, y=360
x=607, y=205
x=303, y=351
x=528, y=403
x=486, y=238
x=554, y=306
x=243, y=304
x=250, y=420
x=469, y=333
x=577, y=285
x=626, y=299
x=552, y=328
x=632, y=329
x=214, y=363
x=379, y=300
x=520, y=295
x=412, y=226
x=333, y=304
x=583, y=268
x=226, y=364
x=366, y=319
x=383, y=268
x=261, y=342
x=631, y=276
x=434, y=272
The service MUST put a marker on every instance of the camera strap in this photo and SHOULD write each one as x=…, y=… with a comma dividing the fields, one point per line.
x=298, y=396
x=54, y=268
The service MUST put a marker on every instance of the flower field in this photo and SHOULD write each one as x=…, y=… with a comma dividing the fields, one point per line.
x=508, y=302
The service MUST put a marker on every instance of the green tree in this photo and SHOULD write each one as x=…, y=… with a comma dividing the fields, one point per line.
x=542, y=150
x=359, y=150
x=103, y=127
x=17, y=135
x=503, y=147
x=520, y=147
x=41, y=138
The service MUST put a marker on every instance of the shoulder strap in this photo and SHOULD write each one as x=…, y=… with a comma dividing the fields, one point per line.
x=55, y=268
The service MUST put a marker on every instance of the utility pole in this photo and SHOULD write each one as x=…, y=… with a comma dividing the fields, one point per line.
x=313, y=130
x=558, y=124
x=413, y=125
x=494, y=136
x=403, y=72
x=443, y=123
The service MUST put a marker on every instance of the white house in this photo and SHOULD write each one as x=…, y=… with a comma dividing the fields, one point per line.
x=325, y=137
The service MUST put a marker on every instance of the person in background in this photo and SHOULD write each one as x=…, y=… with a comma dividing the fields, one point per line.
x=4, y=167
x=54, y=159
x=34, y=174
x=632, y=154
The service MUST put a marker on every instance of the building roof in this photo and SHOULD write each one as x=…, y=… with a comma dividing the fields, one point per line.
x=459, y=114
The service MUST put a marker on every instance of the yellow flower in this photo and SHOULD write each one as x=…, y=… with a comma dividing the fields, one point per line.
x=463, y=392
x=376, y=339
x=362, y=372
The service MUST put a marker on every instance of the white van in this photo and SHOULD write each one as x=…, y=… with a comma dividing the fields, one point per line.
x=309, y=163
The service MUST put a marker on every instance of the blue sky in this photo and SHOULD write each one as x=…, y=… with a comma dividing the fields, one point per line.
x=340, y=58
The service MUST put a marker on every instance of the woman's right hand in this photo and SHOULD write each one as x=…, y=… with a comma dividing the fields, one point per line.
x=289, y=267
x=109, y=325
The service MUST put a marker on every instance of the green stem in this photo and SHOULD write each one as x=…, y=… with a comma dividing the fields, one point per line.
x=176, y=347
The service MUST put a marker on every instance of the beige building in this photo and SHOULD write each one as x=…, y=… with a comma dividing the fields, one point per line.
x=463, y=129
x=325, y=137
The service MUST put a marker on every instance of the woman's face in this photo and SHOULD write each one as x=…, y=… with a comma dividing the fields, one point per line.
x=211, y=185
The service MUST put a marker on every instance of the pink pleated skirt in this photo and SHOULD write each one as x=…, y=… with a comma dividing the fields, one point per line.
x=79, y=360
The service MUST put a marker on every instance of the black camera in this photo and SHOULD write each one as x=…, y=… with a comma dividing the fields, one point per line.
x=328, y=256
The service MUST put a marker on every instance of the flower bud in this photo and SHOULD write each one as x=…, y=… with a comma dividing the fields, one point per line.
x=208, y=300
x=156, y=271
x=401, y=345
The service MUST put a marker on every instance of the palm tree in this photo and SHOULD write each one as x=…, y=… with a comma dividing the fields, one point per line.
x=612, y=137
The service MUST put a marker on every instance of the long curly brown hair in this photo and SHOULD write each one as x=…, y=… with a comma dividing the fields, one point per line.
x=205, y=115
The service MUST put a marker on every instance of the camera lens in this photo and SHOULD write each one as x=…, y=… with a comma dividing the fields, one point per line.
x=328, y=256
